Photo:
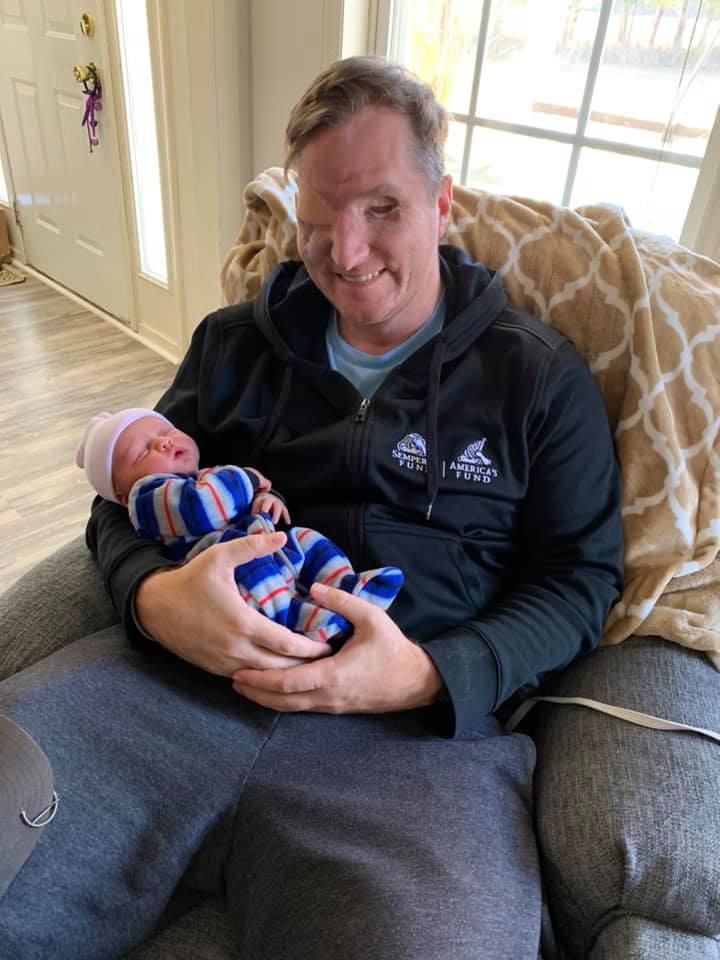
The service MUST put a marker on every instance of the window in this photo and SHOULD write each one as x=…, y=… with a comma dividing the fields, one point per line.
x=133, y=34
x=573, y=101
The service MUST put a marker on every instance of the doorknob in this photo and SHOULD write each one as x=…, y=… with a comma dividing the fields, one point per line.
x=87, y=25
x=87, y=73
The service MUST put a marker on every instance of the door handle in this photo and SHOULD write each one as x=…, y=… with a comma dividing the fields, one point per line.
x=87, y=73
x=87, y=25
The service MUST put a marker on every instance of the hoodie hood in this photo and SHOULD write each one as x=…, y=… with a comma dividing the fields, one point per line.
x=467, y=285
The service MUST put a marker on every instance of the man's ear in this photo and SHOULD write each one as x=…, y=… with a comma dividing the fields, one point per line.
x=444, y=204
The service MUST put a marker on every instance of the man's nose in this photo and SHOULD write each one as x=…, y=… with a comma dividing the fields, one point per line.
x=350, y=246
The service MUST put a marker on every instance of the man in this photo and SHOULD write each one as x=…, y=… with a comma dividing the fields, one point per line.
x=413, y=417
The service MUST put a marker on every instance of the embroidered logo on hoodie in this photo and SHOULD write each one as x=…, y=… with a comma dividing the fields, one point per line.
x=473, y=464
x=411, y=452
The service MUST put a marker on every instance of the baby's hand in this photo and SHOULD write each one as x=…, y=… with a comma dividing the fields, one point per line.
x=269, y=503
x=263, y=483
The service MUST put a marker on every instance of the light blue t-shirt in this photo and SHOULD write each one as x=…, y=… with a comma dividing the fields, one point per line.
x=364, y=370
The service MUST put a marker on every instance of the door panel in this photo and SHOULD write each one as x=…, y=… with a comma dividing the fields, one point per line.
x=58, y=19
x=69, y=200
x=13, y=12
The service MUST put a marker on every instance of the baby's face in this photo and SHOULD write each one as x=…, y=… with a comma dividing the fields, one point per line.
x=150, y=445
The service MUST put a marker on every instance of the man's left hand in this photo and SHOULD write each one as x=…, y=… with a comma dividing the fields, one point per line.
x=378, y=670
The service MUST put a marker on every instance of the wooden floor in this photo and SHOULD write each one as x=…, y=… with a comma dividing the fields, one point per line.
x=59, y=365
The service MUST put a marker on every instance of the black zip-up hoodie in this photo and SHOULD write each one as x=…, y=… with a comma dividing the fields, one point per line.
x=482, y=466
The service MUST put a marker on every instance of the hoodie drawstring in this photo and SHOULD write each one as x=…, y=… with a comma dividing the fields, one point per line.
x=433, y=469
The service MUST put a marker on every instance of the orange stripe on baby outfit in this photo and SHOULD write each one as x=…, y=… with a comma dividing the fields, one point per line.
x=306, y=532
x=168, y=511
x=337, y=573
x=316, y=611
x=269, y=596
x=218, y=504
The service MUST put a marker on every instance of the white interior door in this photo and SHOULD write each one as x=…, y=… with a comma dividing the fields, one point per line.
x=69, y=200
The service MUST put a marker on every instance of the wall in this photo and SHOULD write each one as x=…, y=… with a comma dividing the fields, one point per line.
x=210, y=107
x=291, y=43
x=702, y=228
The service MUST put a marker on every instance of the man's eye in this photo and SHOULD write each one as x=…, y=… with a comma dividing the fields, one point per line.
x=383, y=209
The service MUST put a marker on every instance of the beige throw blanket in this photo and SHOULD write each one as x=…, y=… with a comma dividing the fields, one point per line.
x=645, y=314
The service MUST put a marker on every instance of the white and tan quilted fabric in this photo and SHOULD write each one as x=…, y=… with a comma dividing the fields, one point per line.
x=645, y=315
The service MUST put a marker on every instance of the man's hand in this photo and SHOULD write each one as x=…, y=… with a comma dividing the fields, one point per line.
x=377, y=671
x=196, y=612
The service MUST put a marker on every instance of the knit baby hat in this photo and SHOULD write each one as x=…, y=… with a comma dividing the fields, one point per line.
x=95, y=453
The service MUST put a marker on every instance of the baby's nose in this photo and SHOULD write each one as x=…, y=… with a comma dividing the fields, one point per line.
x=161, y=443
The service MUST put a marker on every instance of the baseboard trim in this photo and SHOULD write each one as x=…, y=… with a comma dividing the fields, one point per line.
x=98, y=311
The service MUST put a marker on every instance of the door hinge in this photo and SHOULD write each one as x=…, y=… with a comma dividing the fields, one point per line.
x=16, y=214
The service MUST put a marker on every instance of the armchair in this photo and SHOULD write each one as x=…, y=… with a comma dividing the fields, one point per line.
x=628, y=819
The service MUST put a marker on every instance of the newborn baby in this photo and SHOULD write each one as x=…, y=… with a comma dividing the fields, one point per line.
x=138, y=459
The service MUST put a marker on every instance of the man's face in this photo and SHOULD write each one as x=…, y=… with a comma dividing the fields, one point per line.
x=149, y=445
x=369, y=225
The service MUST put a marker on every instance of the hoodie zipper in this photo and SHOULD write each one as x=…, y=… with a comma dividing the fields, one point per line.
x=355, y=512
x=361, y=414
x=359, y=420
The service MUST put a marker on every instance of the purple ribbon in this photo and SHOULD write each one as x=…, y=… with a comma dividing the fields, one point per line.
x=92, y=105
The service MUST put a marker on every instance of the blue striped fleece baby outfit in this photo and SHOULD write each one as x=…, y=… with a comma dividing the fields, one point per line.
x=189, y=513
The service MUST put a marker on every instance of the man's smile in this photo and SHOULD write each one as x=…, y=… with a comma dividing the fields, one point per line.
x=360, y=278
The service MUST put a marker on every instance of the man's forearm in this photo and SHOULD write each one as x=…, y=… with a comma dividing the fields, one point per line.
x=124, y=558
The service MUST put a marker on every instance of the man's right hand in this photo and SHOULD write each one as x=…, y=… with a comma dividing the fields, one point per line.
x=196, y=612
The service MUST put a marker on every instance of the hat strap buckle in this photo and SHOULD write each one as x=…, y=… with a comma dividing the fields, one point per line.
x=48, y=813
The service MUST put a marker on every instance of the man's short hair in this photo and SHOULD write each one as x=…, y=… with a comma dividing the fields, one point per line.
x=351, y=85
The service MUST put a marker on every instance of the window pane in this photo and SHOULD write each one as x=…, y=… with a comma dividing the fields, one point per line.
x=655, y=196
x=454, y=147
x=659, y=80
x=535, y=64
x=513, y=164
x=437, y=40
x=142, y=136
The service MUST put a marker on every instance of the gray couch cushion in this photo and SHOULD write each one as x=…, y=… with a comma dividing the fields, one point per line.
x=628, y=818
x=636, y=938
x=58, y=601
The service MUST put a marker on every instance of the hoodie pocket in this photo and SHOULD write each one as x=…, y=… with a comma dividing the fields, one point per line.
x=444, y=586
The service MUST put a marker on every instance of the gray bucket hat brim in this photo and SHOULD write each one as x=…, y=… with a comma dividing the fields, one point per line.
x=28, y=802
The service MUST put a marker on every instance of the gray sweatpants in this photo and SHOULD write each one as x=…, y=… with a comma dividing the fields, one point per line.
x=332, y=837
